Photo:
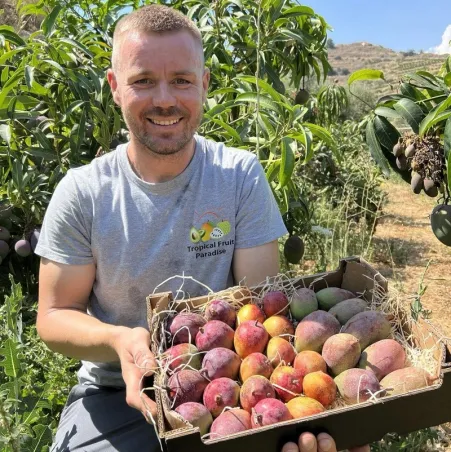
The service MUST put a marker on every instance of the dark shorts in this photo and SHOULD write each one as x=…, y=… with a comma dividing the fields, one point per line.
x=98, y=419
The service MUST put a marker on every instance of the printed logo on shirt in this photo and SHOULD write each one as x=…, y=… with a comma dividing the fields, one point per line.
x=208, y=236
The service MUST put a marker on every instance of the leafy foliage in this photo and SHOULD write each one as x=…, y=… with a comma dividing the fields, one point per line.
x=33, y=381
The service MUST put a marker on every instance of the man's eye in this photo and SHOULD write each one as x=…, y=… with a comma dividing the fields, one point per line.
x=144, y=81
x=181, y=81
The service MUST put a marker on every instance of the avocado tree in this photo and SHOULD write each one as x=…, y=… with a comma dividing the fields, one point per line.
x=410, y=132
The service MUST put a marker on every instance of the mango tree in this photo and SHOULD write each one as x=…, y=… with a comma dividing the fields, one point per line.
x=410, y=132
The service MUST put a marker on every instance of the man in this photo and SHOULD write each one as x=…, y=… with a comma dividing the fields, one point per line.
x=165, y=203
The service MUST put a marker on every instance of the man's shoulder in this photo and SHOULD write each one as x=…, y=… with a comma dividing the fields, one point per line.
x=100, y=168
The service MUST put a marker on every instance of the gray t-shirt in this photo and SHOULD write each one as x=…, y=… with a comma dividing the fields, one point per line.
x=140, y=234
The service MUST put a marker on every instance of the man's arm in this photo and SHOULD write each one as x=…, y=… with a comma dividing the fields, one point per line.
x=63, y=322
x=64, y=325
x=256, y=263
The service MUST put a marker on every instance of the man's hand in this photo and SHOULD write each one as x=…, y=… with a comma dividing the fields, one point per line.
x=307, y=442
x=137, y=360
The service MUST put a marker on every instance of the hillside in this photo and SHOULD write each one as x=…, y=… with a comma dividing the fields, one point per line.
x=347, y=58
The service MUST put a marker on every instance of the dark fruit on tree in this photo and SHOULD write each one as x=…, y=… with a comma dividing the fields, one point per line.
x=401, y=163
x=4, y=234
x=302, y=97
x=23, y=248
x=430, y=188
x=294, y=249
x=440, y=222
x=417, y=183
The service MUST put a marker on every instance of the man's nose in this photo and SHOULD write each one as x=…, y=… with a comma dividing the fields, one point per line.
x=163, y=97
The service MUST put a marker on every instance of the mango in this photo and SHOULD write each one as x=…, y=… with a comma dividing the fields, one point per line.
x=341, y=352
x=331, y=296
x=250, y=312
x=197, y=414
x=368, y=327
x=357, y=385
x=268, y=412
x=221, y=310
x=250, y=337
x=219, y=394
x=302, y=303
x=214, y=334
x=220, y=362
x=304, y=406
x=275, y=303
x=255, y=364
x=280, y=351
x=408, y=379
x=383, y=357
x=314, y=330
x=182, y=355
x=321, y=387
x=308, y=361
x=230, y=422
x=254, y=389
x=186, y=386
x=288, y=382
x=346, y=309
x=185, y=326
x=279, y=325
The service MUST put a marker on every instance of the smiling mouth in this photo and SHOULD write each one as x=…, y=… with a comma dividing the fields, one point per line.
x=164, y=123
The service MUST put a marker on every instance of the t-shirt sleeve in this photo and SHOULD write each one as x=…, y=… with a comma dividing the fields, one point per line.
x=258, y=219
x=65, y=237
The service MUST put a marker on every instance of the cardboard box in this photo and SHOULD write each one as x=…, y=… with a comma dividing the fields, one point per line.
x=351, y=425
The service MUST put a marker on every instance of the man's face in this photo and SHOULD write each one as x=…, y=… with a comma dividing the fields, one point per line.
x=160, y=83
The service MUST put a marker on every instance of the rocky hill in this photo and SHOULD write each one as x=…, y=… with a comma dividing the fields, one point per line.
x=347, y=58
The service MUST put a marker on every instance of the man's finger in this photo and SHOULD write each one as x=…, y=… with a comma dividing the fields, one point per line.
x=325, y=443
x=290, y=447
x=307, y=442
x=145, y=361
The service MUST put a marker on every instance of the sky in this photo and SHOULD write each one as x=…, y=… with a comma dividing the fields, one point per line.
x=399, y=25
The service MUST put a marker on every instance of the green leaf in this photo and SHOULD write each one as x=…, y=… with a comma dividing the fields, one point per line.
x=6, y=56
x=375, y=149
x=78, y=134
x=262, y=84
x=42, y=438
x=412, y=113
x=78, y=45
x=436, y=115
x=10, y=362
x=386, y=133
x=365, y=74
x=48, y=24
x=272, y=170
x=228, y=129
x=29, y=76
x=11, y=36
x=447, y=138
x=447, y=80
x=387, y=112
x=5, y=133
x=298, y=10
x=287, y=161
x=321, y=133
x=263, y=100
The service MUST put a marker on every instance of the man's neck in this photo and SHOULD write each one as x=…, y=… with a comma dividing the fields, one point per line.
x=155, y=168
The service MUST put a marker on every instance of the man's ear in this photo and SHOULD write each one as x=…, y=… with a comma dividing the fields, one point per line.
x=111, y=78
x=205, y=84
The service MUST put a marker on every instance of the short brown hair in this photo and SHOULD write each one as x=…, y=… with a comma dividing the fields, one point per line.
x=154, y=19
